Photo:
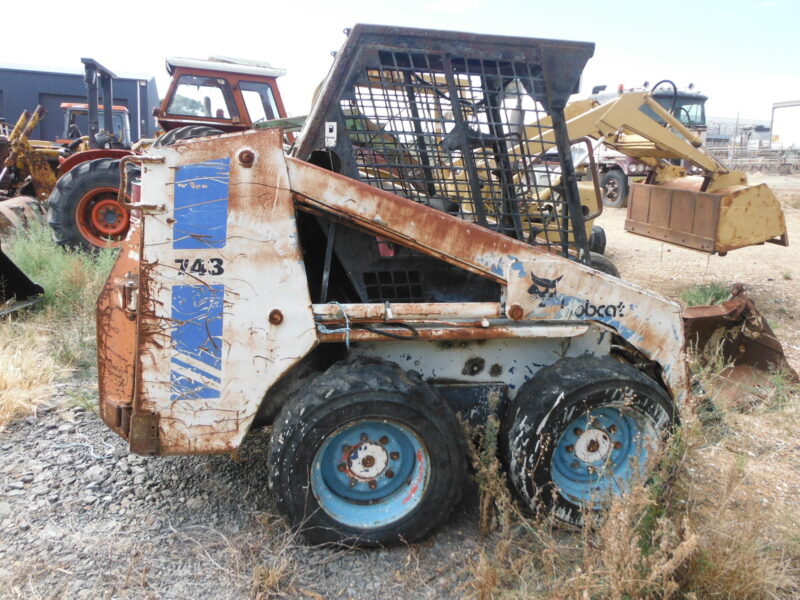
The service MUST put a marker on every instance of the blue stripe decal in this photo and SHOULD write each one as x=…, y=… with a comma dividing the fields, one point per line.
x=183, y=388
x=201, y=205
x=197, y=337
x=201, y=372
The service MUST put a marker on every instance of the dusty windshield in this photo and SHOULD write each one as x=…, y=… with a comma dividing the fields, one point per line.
x=202, y=97
x=259, y=100
x=689, y=110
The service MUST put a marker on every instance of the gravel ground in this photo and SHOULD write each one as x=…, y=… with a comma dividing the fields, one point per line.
x=82, y=518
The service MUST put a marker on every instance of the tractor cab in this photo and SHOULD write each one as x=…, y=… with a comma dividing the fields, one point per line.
x=76, y=122
x=224, y=93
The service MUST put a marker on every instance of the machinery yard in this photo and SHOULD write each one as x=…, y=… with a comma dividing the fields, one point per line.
x=83, y=526
x=462, y=330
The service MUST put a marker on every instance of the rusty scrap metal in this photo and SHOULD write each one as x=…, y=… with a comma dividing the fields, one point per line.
x=738, y=331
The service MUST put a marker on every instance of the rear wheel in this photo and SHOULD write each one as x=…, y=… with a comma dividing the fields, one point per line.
x=603, y=264
x=83, y=211
x=366, y=455
x=615, y=188
x=580, y=432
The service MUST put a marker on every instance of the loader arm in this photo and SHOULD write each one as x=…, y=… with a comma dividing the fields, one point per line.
x=615, y=121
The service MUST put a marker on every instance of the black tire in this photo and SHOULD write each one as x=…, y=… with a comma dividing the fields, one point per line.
x=614, y=186
x=540, y=422
x=354, y=396
x=603, y=264
x=597, y=240
x=188, y=132
x=70, y=207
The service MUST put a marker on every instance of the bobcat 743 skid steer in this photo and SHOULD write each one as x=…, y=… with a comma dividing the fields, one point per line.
x=408, y=262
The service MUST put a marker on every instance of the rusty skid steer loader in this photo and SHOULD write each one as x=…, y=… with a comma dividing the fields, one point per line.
x=406, y=265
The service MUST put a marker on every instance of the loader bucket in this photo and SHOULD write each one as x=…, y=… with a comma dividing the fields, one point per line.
x=16, y=290
x=679, y=213
x=739, y=331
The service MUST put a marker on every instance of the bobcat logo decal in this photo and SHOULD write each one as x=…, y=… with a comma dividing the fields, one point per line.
x=543, y=288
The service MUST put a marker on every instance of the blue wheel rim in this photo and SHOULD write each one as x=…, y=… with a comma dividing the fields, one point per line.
x=370, y=473
x=601, y=453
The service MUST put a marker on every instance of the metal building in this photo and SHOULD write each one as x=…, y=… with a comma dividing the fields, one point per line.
x=23, y=87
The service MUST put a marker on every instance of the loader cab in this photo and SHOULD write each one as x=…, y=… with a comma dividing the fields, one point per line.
x=689, y=106
x=76, y=122
x=227, y=94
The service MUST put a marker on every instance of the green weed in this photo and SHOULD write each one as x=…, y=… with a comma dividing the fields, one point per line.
x=705, y=293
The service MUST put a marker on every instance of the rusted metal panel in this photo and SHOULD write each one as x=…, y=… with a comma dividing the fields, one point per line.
x=144, y=433
x=736, y=330
x=408, y=311
x=566, y=289
x=117, y=332
x=512, y=361
x=216, y=262
x=492, y=331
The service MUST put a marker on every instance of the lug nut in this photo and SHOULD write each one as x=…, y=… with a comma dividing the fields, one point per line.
x=341, y=466
x=389, y=473
x=570, y=448
x=612, y=429
x=364, y=437
x=384, y=440
x=575, y=464
x=372, y=484
x=617, y=445
x=394, y=455
x=578, y=431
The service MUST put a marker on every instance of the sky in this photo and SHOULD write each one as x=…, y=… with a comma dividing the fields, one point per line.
x=743, y=54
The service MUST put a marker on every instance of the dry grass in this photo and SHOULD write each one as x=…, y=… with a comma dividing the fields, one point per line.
x=27, y=372
x=711, y=525
x=56, y=337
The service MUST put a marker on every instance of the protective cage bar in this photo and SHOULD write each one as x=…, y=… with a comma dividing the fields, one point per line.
x=454, y=121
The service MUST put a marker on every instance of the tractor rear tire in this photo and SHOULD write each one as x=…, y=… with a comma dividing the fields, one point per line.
x=368, y=455
x=614, y=185
x=581, y=431
x=187, y=132
x=83, y=212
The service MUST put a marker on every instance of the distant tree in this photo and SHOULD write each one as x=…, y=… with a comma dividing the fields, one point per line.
x=181, y=105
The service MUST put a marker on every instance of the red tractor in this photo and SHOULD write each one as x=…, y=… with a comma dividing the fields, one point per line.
x=205, y=97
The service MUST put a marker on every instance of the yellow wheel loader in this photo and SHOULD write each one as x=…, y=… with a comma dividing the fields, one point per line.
x=715, y=211
x=410, y=264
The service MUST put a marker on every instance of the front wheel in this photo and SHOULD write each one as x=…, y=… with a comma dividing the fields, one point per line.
x=366, y=455
x=580, y=432
x=83, y=212
x=614, y=184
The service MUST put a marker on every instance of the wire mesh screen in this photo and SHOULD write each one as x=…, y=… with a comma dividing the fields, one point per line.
x=464, y=136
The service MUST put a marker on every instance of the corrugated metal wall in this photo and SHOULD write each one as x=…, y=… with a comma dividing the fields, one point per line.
x=21, y=89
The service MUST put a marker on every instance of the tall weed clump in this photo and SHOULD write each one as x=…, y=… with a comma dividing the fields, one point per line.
x=56, y=336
